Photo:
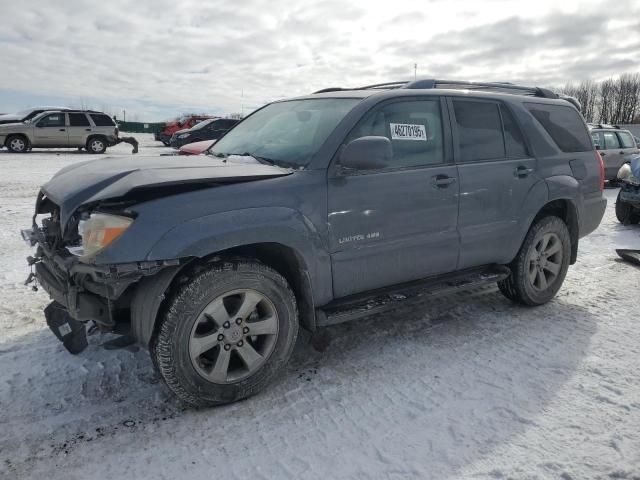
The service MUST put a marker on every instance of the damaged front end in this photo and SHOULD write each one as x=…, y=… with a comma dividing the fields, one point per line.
x=83, y=292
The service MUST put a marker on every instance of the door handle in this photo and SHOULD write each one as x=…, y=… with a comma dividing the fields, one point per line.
x=62, y=129
x=442, y=181
x=522, y=172
x=621, y=152
x=87, y=129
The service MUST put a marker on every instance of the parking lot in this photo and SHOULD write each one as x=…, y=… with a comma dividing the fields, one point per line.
x=469, y=386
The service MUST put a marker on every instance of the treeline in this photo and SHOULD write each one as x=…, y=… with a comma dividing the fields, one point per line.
x=613, y=101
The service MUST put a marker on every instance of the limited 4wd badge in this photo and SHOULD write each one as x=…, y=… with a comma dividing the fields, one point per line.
x=408, y=131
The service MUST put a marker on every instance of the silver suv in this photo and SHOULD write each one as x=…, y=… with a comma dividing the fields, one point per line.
x=614, y=145
x=88, y=129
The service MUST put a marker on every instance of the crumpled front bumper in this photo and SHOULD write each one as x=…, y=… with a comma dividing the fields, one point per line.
x=86, y=291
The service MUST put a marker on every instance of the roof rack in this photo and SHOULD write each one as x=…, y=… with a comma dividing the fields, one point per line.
x=501, y=87
x=604, y=126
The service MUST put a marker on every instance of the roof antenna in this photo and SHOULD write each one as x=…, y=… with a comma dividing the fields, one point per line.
x=415, y=71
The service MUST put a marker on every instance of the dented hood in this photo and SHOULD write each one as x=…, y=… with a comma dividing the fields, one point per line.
x=121, y=177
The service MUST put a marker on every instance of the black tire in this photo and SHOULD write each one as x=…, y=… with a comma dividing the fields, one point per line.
x=625, y=213
x=519, y=287
x=170, y=347
x=96, y=145
x=18, y=144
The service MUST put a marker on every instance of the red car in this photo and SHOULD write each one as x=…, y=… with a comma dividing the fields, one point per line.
x=196, y=148
x=184, y=122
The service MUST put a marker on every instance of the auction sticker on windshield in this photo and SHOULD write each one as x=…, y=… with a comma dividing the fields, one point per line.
x=407, y=131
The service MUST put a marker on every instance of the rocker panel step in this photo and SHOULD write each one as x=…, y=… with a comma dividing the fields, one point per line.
x=370, y=303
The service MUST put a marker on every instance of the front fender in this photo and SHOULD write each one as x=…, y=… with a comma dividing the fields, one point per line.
x=207, y=235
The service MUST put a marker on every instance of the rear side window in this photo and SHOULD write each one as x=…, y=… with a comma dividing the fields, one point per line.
x=414, y=128
x=626, y=140
x=102, y=120
x=479, y=130
x=564, y=125
x=611, y=140
x=78, y=120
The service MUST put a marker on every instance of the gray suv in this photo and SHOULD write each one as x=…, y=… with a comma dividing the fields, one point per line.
x=92, y=130
x=313, y=211
x=615, y=145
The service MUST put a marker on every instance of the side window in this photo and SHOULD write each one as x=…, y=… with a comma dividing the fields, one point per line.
x=227, y=124
x=513, y=139
x=611, y=140
x=598, y=141
x=626, y=140
x=102, y=120
x=414, y=128
x=52, y=120
x=479, y=130
x=78, y=120
x=564, y=125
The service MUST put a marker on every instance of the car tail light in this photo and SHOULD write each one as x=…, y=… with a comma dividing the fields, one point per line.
x=601, y=164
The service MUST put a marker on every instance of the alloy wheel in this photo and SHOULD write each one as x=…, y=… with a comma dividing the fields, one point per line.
x=17, y=144
x=545, y=261
x=97, y=146
x=233, y=336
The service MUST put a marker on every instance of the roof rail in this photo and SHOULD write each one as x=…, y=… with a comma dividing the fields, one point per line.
x=428, y=83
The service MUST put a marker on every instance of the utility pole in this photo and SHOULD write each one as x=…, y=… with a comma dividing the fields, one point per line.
x=242, y=102
x=415, y=71
x=124, y=115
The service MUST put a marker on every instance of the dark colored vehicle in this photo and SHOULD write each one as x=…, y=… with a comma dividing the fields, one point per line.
x=207, y=130
x=28, y=114
x=615, y=146
x=181, y=123
x=628, y=201
x=313, y=211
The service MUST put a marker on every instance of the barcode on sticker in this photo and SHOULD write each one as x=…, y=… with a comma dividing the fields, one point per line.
x=408, y=131
x=64, y=329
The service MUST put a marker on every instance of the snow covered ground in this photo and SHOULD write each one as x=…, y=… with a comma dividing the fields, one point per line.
x=467, y=387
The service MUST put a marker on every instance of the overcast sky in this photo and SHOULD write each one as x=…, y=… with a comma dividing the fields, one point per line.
x=160, y=58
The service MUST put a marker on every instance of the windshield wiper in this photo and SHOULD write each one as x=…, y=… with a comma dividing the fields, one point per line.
x=263, y=160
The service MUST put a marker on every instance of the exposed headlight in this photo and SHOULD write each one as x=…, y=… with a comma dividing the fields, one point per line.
x=184, y=135
x=99, y=231
x=626, y=175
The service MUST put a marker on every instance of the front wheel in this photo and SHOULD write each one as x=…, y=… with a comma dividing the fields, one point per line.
x=226, y=334
x=625, y=213
x=539, y=269
x=18, y=144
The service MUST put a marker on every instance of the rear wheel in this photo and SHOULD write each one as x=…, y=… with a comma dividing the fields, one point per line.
x=18, y=144
x=96, y=145
x=226, y=334
x=539, y=269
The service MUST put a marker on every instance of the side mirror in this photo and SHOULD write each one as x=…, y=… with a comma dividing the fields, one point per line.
x=367, y=153
x=39, y=125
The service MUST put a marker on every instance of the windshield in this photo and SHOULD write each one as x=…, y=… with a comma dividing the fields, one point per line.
x=289, y=133
x=203, y=123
